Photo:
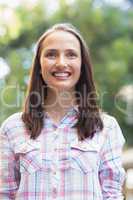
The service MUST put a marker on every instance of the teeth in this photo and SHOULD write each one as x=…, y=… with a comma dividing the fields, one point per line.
x=62, y=74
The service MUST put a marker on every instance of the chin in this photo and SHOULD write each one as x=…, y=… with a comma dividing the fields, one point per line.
x=63, y=87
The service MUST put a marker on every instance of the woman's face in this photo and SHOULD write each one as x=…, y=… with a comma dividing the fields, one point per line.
x=60, y=60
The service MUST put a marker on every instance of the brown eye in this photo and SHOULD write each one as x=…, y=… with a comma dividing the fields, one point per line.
x=50, y=55
x=71, y=55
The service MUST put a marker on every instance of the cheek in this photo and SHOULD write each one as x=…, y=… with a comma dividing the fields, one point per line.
x=47, y=62
x=78, y=68
x=78, y=73
x=45, y=66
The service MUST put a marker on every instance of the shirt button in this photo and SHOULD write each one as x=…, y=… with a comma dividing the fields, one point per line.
x=54, y=193
x=85, y=148
x=54, y=172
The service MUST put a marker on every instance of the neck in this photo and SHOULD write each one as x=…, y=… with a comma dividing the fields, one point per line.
x=60, y=101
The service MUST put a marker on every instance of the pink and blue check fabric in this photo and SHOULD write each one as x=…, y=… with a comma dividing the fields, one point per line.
x=58, y=166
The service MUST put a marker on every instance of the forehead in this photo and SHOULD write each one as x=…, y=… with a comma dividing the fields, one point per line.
x=62, y=39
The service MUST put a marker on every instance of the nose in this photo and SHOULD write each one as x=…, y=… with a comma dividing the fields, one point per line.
x=61, y=62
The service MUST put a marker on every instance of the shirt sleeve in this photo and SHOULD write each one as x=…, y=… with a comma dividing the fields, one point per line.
x=111, y=172
x=8, y=170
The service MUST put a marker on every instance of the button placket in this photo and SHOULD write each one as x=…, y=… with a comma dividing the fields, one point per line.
x=55, y=169
x=55, y=146
x=55, y=172
x=55, y=182
x=54, y=193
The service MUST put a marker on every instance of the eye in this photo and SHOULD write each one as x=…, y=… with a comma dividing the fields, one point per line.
x=71, y=55
x=50, y=55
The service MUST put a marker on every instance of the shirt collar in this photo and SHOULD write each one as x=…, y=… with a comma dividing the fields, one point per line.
x=70, y=118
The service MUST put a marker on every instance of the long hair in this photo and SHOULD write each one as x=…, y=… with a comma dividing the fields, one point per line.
x=89, y=120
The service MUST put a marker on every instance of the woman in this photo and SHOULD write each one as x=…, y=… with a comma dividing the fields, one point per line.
x=61, y=146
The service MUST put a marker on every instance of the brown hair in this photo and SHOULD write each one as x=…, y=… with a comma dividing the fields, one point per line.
x=89, y=120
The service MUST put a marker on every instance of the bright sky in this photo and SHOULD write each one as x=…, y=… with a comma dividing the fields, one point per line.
x=52, y=5
x=117, y=2
x=4, y=68
x=14, y=3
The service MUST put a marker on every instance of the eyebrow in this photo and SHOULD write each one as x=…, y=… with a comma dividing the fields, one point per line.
x=46, y=50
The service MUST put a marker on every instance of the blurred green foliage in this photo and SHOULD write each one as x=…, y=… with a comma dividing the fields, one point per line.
x=108, y=31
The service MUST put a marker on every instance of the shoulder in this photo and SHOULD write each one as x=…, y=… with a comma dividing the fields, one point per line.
x=13, y=128
x=109, y=121
x=13, y=122
x=111, y=129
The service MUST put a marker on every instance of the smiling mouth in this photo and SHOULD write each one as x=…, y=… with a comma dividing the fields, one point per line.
x=61, y=75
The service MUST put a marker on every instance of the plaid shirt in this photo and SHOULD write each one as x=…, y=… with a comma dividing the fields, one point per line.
x=58, y=166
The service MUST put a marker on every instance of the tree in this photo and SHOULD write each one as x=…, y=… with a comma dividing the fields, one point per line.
x=109, y=34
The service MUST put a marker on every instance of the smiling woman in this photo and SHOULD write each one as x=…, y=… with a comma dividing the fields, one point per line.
x=62, y=145
x=53, y=55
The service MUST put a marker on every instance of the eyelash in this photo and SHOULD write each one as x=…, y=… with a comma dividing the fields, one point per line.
x=71, y=55
x=53, y=55
x=50, y=55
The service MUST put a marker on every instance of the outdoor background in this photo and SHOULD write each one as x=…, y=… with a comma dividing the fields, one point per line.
x=107, y=27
